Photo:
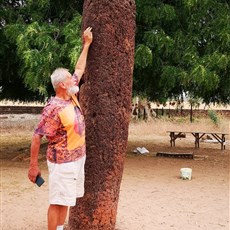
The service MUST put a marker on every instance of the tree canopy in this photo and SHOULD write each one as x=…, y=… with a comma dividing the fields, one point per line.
x=182, y=46
x=37, y=37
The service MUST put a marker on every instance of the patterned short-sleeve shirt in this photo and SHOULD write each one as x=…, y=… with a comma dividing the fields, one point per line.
x=63, y=125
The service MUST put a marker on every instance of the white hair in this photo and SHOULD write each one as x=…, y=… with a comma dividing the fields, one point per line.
x=58, y=75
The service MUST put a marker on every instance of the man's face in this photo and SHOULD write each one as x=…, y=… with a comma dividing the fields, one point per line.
x=71, y=88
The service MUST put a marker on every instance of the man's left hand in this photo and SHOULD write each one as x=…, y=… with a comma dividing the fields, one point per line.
x=88, y=36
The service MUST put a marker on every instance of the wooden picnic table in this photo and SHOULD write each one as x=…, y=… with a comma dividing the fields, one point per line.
x=220, y=137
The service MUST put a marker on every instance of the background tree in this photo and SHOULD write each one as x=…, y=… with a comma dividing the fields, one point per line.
x=37, y=37
x=183, y=46
x=106, y=100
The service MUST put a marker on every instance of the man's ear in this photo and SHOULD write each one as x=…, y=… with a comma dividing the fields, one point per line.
x=62, y=85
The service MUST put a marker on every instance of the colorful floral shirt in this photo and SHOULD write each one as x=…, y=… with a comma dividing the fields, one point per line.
x=63, y=125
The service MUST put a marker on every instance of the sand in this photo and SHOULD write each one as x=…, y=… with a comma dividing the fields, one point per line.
x=152, y=194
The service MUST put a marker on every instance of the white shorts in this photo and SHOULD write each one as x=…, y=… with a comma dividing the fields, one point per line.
x=66, y=182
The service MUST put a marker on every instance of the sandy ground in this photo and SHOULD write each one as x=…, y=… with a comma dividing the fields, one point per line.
x=152, y=194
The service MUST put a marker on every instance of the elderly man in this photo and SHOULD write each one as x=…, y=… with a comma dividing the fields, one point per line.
x=63, y=125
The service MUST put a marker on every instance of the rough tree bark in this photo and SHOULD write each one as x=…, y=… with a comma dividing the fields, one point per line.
x=105, y=97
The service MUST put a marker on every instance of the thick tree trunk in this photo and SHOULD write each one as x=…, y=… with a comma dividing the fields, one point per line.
x=106, y=100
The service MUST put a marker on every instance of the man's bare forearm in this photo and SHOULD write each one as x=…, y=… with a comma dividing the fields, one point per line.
x=34, y=150
x=81, y=62
x=34, y=170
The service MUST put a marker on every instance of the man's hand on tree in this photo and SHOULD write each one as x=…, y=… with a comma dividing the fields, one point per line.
x=88, y=36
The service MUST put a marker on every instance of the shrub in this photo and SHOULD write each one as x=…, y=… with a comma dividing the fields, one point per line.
x=213, y=116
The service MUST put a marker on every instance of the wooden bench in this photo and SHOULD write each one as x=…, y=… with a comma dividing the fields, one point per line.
x=220, y=137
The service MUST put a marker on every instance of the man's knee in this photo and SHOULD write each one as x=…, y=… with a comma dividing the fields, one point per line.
x=58, y=207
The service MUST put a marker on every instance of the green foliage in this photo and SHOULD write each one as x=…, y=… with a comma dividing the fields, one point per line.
x=213, y=116
x=143, y=56
x=182, y=46
x=72, y=38
x=40, y=36
x=43, y=47
x=189, y=42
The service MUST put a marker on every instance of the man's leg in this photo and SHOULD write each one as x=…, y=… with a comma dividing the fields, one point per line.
x=62, y=215
x=53, y=214
x=56, y=216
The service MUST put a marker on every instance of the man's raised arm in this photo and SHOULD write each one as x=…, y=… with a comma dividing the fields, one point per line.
x=81, y=62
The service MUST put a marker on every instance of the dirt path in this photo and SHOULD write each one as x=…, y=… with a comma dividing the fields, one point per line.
x=152, y=195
